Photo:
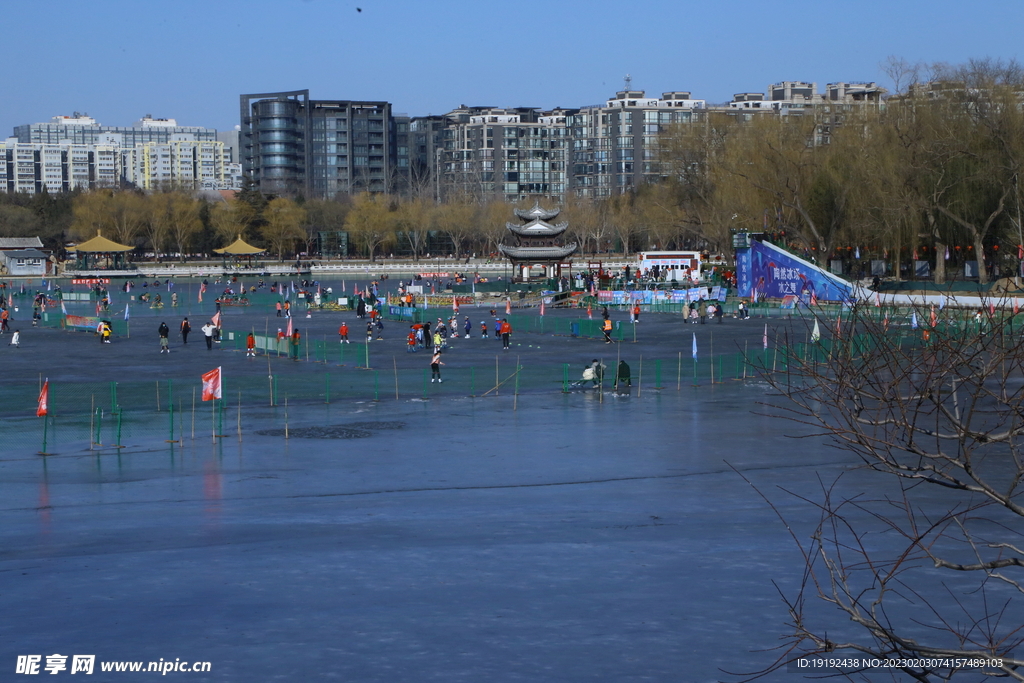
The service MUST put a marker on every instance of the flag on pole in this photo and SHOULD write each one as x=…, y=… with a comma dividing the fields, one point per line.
x=590, y=312
x=942, y=304
x=915, y=254
x=542, y=306
x=455, y=304
x=288, y=331
x=63, y=308
x=856, y=254
x=913, y=320
x=202, y=288
x=694, y=346
x=878, y=300
x=991, y=308
x=126, y=311
x=49, y=283
x=216, y=319
x=342, y=286
x=816, y=332
x=934, y=318
x=211, y=384
x=947, y=253
x=508, y=306
x=1020, y=252
x=97, y=309
x=764, y=339
x=44, y=399
x=1016, y=306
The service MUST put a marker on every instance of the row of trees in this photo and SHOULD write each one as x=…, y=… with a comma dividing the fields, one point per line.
x=174, y=223
x=935, y=166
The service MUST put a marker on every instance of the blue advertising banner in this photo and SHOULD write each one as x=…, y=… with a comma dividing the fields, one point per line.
x=775, y=273
x=744, y=273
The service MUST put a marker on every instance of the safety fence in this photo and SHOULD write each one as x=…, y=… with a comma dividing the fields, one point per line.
x=138, y=413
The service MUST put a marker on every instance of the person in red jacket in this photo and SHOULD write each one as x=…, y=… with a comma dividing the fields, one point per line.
x=343, y=334
x=506, y=332
x=250, y=346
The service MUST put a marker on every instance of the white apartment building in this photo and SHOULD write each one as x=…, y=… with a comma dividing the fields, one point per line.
x=32, y=167
x=181, y=163
x=184, y=163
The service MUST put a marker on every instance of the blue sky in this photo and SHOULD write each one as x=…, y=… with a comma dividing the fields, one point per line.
x=189, y=60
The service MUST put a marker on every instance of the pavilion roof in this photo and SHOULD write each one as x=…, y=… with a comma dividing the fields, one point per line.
x=239, y=248
x=99, y=244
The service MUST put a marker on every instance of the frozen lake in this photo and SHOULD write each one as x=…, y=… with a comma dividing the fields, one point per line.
x=455, y=540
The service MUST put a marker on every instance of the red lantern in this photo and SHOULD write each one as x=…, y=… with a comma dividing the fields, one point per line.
x=970, y=247
x=996, y=247
x=958, y=247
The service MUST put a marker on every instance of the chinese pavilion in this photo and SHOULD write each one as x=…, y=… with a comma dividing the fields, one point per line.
x=537, y=243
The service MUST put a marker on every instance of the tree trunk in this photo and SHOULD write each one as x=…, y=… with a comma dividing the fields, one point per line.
x=940, y=263
x=979, y=255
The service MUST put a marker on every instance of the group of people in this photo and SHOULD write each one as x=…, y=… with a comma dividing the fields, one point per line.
x=594, y=373
x=211, y=333
x=700, y=310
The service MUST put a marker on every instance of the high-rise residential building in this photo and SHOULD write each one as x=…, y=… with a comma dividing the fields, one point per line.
x=507, y=153
x=292, y=145
x=593, y=151
x=84, y=130
x=33, y=168
x=426, y=143
x=615, y=146
x=181, y=163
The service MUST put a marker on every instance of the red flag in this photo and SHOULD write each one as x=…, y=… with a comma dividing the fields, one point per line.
x=814, y=299
x=288, y=332
x=878, y=301
x=590, y=312
x=216, y=319
x=1020, y=252
x=991, y=308
x=1016, y=306
x=508, y=306
x=934, y=317
x=202, y=288
x=44, y=399
x=542, y=306
x=455, y=305
x=211, y=384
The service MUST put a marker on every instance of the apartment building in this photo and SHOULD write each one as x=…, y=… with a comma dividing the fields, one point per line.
x=508, y=153
x=290, y=145
x=32, y=168
x=181, y=163
x=615, y=146
x=82, y=129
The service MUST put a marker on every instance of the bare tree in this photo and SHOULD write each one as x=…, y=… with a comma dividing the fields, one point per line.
x=926, y=567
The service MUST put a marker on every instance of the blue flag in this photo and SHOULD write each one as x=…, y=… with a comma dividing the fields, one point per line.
x=126, y=311
x=695, y=346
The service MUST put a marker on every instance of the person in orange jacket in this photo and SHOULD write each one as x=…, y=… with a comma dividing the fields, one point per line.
x=506, y=332
x=606, y=328
x=343, y=334
x=250, y=346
